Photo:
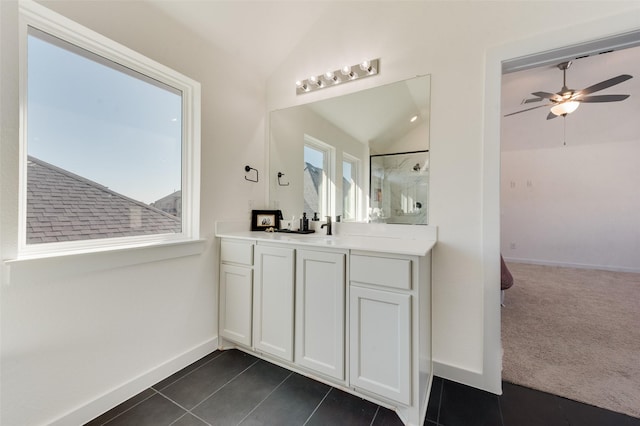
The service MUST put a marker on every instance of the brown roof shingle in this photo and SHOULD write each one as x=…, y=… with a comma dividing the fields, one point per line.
x=62, y=206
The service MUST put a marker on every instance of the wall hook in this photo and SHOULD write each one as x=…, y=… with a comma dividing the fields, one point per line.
x=280, y=174
x=248, y=169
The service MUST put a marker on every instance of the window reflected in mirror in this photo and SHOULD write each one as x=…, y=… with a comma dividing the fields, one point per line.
x=350, y=186
x=318, y=166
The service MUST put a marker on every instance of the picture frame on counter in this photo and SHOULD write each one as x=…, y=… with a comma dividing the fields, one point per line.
x=263, y=219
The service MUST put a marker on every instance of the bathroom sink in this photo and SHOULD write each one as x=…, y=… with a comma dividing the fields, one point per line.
x=319, y=239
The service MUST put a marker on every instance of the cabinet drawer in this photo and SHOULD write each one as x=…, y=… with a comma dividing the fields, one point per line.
x=232, y=251
x=384, y=271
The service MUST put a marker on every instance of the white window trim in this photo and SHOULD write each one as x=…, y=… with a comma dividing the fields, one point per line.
x=37, y=16
x=355, y=174
x=327, y=204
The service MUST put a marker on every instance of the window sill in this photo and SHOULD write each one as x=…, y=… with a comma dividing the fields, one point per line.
x=37, y=269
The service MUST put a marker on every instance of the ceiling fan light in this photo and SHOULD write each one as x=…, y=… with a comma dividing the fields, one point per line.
x=565, y=107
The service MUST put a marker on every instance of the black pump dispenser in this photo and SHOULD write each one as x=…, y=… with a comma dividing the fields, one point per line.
x=304, y=222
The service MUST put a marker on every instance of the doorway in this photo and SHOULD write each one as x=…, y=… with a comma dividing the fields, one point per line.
x=549, y=168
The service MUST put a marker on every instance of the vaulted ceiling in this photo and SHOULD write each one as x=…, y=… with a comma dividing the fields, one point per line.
x=233, y=25
x=259, y=33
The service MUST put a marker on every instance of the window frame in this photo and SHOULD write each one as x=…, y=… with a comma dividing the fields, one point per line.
x=356, y=185
x=327, y=199
x=39, y=17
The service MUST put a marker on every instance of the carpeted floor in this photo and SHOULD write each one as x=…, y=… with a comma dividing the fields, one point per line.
x=574, y=333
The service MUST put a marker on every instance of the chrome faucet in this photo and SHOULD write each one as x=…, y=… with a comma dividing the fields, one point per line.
x=328, y=225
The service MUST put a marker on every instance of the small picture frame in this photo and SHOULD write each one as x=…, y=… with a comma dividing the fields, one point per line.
x=263, y=219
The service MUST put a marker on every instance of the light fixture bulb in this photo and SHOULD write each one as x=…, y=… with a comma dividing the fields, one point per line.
x=564, y=108
x=302, y=86
x=414, y=118
x=346, y=71
x=367, y=67
x=332, y=77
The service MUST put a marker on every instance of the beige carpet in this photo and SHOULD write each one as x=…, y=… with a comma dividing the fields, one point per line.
x=574, y=333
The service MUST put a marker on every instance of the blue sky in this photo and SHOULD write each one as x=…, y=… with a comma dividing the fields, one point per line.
x=103, y=124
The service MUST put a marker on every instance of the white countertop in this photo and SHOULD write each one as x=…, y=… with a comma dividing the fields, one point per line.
x=415, y=240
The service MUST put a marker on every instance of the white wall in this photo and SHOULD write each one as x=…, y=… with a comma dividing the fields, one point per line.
x=461, y=45
x=81, y=334
x=574, y=205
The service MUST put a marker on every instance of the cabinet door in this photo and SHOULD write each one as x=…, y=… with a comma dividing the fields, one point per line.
x=273, y=301
x=320, y=312
x=235, y=303
x=380, y=325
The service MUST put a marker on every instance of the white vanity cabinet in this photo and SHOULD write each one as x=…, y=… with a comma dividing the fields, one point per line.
x=273, y=301
x=390, y=329
x=380, y=342
x=351, y=311
x=236, y=290
x=320, y=312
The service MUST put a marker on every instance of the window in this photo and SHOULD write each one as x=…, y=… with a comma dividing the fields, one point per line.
x=318, y=178
x=109, y=142
x=350, y=187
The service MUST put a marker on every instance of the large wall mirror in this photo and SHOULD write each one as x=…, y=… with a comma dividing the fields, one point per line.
x=325, y=155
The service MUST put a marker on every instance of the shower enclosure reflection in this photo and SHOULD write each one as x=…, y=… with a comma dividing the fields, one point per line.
x=399, y=188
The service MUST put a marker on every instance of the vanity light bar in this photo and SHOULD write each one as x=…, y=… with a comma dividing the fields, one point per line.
x=343, y=75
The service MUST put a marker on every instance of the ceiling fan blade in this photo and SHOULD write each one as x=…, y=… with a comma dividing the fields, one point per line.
x=551, y=115
x=547, y=95
x=528, y=109
x=603, y=98
x=532, y=100
x=604, y=84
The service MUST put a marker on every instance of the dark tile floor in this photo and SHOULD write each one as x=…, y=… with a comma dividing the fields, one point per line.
x=231, y=388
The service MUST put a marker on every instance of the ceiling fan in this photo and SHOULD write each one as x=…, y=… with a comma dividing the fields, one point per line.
x=567, y=100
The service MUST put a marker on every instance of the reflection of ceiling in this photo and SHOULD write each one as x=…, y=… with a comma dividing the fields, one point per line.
x=381, y=114
x=590, y=123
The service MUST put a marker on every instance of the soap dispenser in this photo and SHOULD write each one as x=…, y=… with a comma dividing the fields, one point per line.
x=315, y=223
x=304, y=222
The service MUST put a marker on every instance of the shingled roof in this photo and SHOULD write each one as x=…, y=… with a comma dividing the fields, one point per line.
x=62, y=206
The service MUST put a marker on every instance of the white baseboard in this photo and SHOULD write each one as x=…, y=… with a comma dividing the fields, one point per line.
x=105, y=402
x=612, y=268
x=460, y=375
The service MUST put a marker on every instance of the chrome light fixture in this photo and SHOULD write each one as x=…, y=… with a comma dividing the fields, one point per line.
x=340, y=76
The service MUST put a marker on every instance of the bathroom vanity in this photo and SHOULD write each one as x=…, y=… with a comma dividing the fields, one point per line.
x=352, y=310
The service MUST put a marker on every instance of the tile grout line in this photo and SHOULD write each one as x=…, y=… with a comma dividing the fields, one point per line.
x=440, y=401
x=220, y=388
x=182, y=416
x=317, y=406
x=155, y=392
x=265, y=398
x=189, y=373
x=199, y=418
x=374, y=416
